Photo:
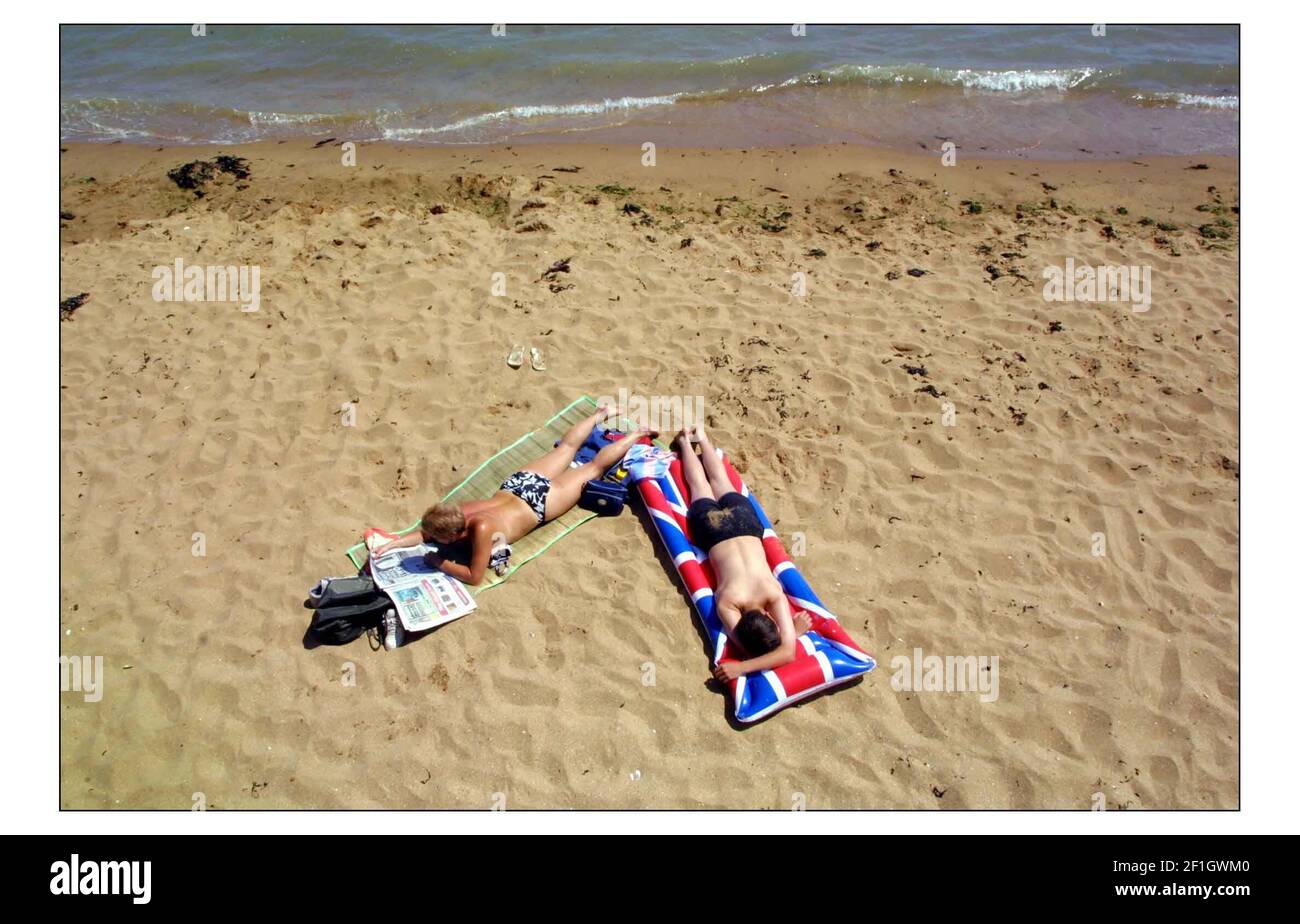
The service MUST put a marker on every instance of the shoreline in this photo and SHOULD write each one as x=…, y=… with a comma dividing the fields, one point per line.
x=551, y=143
x=1029, y=92
x=313, y=160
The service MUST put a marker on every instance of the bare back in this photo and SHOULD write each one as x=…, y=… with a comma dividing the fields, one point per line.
x=744, y=580
x=504, y=513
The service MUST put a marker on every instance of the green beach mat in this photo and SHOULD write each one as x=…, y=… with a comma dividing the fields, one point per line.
x=486, y=480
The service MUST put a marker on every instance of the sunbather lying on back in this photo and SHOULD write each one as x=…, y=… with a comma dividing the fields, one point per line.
x=748, y=600
x=536, y=494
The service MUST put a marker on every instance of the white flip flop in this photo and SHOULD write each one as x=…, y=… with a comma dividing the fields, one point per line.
x=535, y=359
x=516, y=357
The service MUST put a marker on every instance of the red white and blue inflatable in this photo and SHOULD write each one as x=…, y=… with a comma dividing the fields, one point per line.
x=826, y=656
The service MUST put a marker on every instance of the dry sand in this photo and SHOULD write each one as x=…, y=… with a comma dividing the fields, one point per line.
x=1118, y=674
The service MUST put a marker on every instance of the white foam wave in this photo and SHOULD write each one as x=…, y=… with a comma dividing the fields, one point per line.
x=287, y=118
x=1196, y=100
x=527, y=113
x=1003, y=81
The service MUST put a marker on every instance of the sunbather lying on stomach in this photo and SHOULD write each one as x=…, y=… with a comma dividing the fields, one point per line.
x=748, y=599
x=536, y=494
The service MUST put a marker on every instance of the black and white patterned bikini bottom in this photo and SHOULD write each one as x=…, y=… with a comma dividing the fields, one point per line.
x=531, y=488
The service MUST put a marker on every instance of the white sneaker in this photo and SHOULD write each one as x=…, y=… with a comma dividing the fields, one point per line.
x=392, y=630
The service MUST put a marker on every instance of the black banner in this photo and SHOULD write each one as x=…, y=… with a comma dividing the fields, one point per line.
x=328, y=874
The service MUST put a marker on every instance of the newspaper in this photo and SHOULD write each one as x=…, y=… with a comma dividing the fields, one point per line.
x=423, y=596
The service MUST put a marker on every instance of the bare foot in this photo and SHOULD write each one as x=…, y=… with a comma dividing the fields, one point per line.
x=802, y=622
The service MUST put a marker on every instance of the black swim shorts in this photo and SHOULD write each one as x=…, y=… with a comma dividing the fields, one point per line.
x=712, y=521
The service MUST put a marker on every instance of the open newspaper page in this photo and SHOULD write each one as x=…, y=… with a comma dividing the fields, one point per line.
x=423, y=596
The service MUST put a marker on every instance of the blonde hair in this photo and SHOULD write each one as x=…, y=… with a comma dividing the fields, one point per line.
x=442, y=521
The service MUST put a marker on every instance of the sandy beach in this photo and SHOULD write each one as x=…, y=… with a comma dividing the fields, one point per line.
x=949, y=442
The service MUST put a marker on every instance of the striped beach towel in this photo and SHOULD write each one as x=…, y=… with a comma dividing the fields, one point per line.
x=486, y=480
x=826, y=655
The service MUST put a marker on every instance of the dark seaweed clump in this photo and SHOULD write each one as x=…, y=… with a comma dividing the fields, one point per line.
x=70, y=305
x=195, y=174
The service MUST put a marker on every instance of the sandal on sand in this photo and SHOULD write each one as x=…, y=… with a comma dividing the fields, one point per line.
x=516, y=357
x=535, y=359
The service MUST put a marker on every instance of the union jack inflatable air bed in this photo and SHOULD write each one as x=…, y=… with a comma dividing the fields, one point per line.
x=826, y=655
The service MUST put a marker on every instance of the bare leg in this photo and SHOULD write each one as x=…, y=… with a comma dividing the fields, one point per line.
x=801, y=623
x=692, y=472
x=567, y=487
x=719, y=480
x=558, y=459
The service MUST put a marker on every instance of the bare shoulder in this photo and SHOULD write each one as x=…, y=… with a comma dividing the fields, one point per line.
x=727, y=610
x=773, y=591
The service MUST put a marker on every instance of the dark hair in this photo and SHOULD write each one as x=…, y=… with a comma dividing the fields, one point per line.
x=757, y=633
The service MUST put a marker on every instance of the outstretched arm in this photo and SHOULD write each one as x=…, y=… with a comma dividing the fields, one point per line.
x=411, y=539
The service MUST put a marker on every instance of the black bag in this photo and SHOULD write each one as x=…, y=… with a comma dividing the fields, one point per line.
x=603, y=498
x=335, y=590
x=345, y=609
